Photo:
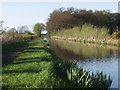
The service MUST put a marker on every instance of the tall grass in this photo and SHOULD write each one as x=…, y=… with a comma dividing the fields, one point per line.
x=10, y=37
x=13, y=37
x=86, y=31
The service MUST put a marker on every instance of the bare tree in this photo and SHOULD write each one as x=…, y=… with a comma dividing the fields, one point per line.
x=1, y=25
x=12, y=30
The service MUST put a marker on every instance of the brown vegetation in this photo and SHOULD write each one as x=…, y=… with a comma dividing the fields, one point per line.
x=71, y=17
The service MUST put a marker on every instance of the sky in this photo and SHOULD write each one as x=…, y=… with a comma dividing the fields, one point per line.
x=28, y=13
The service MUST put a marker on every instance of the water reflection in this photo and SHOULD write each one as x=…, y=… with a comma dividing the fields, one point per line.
x=81, y=51
x=91, y=57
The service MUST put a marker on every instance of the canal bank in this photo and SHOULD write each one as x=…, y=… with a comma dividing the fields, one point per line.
x=111, y=42
x=39, y=67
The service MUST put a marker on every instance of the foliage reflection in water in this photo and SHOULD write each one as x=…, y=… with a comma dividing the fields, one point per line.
x=93, y=57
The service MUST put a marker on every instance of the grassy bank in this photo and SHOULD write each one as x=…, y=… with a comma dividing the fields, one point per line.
x=12, y=50
x=87, y=33
x=38, y=67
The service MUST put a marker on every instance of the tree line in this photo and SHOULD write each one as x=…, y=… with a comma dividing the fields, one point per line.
x=68, y=18
x=21, y=29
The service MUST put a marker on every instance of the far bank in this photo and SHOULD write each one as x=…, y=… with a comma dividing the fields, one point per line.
x=88, y=34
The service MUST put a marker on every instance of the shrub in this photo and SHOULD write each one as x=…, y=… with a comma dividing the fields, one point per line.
x=28, y=37
x=116, y=35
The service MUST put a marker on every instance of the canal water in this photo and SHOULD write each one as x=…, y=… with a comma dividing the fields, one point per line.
x=91, y=57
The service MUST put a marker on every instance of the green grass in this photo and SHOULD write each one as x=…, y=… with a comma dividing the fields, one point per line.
x=38, y=67
x=32, y=68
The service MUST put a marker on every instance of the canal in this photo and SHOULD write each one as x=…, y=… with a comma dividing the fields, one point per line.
x=91, y=57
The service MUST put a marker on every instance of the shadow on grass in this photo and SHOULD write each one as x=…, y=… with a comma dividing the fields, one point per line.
x=58, y=67
x=10, y=51
x=31, y=60
x=31, y=50
x=22, y=71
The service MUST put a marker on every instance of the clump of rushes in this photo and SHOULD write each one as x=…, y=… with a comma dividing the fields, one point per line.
x=83, y=79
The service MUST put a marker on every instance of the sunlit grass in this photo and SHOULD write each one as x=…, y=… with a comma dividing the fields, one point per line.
x=33, y=68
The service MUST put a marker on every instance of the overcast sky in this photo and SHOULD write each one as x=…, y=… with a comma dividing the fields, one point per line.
x=29, y=13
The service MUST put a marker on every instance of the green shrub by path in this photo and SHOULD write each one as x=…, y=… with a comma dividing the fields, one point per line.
x=38, y=67
x=28, y=37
